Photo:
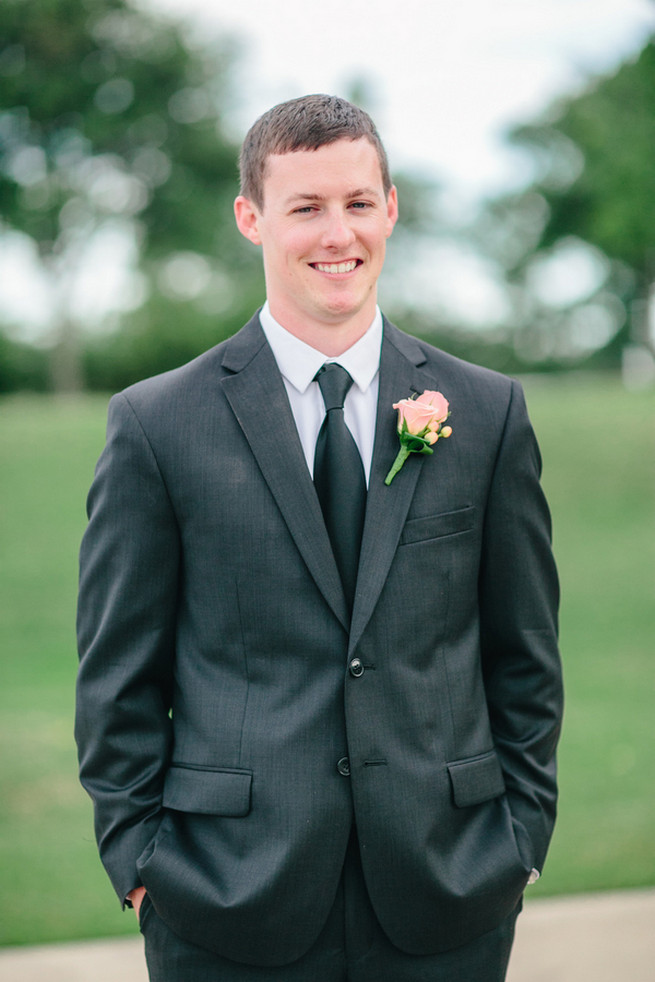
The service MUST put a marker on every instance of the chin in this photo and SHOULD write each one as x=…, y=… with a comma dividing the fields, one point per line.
x=343, y=308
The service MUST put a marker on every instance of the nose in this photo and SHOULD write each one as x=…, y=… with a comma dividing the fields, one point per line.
x=337, y=233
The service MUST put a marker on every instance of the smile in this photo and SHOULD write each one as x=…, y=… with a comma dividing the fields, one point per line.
x=346, y=267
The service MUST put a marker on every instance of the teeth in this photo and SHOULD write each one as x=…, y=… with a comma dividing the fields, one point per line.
x=336, y=267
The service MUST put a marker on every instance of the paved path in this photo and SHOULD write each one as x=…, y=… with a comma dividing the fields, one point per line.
x=596, y=938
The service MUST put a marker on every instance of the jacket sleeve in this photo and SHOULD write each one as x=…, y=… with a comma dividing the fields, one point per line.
x=126, y=636
x=519, y=596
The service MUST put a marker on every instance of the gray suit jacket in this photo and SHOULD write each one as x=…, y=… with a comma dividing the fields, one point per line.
x=215, y=698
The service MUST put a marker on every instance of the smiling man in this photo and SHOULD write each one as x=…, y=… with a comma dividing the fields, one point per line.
x=318, y=709
x=323, y=230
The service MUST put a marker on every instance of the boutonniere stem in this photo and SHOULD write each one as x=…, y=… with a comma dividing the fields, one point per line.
x=420, y=425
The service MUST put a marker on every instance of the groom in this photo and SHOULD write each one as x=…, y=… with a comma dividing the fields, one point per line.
x=317, y=712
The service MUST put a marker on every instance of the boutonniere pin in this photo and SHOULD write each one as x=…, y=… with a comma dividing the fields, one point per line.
x=420, y=424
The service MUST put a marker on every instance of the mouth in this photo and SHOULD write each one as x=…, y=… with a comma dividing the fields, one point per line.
x=344, y=267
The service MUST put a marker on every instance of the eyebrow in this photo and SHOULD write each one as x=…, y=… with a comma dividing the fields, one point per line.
x=356, y=193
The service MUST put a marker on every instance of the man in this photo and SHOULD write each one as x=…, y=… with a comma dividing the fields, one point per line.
x=319, y=750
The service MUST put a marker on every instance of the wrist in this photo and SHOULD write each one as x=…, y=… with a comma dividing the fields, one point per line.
x=135, y=898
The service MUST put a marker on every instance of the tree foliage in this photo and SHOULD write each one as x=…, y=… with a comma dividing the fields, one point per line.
x=592, y=199
x=111, y=123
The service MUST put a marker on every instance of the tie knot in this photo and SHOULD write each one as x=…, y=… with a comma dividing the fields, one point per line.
x=334, y=382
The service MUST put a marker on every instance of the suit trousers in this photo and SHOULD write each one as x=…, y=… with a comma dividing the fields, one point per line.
x=352, y=947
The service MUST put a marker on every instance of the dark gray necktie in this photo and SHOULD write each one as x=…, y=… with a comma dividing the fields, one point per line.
x=339, y=477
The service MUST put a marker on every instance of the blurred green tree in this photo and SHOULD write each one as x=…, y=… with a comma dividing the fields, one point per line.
x=578, y=244
x=112, y=136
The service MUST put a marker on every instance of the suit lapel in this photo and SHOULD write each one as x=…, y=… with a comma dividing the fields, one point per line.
x=259, y=401
x=387, y=506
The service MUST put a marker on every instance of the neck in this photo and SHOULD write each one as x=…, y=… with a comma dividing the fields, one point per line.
x=330, y=338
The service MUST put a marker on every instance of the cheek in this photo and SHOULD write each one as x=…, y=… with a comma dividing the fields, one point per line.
x=377, y=242
x=296, y=247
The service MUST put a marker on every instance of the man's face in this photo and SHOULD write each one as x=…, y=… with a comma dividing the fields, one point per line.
x=323, y=231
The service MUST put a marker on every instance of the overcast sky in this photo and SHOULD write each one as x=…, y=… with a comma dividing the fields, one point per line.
x=448, y=75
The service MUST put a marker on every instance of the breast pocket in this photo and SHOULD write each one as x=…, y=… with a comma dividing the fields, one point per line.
x=438, y=526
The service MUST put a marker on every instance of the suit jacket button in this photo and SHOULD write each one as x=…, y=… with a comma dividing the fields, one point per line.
x=343, y=766
x=356, y=668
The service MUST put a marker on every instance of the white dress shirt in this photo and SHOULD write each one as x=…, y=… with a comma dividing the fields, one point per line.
x=299, y=362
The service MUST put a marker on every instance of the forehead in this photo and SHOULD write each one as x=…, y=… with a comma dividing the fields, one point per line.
x=331, y=169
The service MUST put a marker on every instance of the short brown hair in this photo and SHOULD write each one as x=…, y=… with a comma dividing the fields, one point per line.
x=307, y=123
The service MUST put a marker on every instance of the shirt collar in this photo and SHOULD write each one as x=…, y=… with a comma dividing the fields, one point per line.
x=299, y=362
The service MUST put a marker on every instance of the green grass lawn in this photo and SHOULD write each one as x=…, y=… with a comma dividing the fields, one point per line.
x=598, y=445
x=599, y=474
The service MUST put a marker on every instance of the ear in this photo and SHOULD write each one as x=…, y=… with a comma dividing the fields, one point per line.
x=247, y=218
x=392, y=210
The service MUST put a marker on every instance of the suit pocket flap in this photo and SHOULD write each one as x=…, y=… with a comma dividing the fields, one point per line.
x=436, y=526
x=208, y=792
x=476, y=780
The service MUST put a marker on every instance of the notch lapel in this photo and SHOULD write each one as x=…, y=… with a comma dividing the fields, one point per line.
x=387, y=506
x=258, y=398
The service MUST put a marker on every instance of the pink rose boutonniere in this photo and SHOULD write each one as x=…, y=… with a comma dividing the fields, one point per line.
x=420, y=424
